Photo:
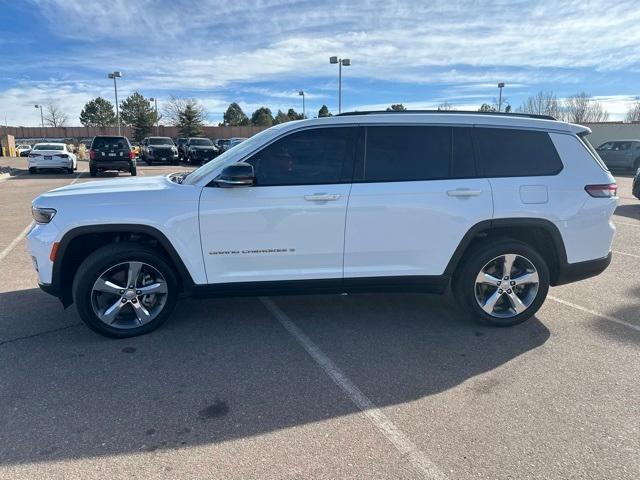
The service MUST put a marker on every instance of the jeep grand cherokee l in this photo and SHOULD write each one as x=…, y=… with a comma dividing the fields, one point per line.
x=499, y=207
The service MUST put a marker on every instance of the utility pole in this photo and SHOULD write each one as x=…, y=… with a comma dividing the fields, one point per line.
x=342, y=62
x=115, y=75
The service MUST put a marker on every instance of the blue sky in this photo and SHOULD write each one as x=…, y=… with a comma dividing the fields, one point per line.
x=261, y=52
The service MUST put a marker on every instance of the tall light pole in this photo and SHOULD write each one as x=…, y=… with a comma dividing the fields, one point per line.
x=115, y=75
x=342, y=62
x=500, y=86
x=304, y=111
x=41, y=119
x=155, y=100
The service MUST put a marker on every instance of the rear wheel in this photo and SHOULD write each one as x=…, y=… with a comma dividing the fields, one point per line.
x=125, y=289
x=502, y=283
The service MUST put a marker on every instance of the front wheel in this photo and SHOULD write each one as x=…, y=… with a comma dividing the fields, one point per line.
x=124, y=290
x=502, y=283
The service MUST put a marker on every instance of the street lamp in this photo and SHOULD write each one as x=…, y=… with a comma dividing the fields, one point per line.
x=41, y=119
x=155, y=100
x=500, y=86
x=304, y=114
x=115, y=75
x=342, y=62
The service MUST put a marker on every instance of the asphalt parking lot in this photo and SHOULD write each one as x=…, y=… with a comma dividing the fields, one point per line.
x=359, y=386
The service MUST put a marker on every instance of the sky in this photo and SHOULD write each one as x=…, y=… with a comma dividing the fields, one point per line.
x=262, y=52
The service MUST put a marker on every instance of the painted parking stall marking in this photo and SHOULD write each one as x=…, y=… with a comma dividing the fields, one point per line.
x=409, y=451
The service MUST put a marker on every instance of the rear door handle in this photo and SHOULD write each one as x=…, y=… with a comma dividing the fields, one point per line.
x=463, y=192
x=322, y=197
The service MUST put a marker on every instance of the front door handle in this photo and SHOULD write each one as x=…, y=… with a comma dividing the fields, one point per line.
x=463, y=192
x=322, y=197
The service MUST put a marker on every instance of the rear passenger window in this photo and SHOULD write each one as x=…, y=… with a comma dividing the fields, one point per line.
x=515, y=153
x=395, y=154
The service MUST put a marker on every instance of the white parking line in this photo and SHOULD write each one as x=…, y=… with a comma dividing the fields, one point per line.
x=637, y=225
x=593, y=312
x=397, y=437
x=24, y=232
x=618, y=252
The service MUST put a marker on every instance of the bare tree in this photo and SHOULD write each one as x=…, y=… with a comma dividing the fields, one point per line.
x=175, y=107
x=542, y=103
x=446, y=106
x=633, y=114
x=582, y=108
x=54, y=116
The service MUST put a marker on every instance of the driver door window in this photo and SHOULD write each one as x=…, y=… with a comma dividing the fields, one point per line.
x=310, y=157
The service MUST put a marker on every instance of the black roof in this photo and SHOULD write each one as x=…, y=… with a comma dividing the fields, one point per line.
x=447, y=112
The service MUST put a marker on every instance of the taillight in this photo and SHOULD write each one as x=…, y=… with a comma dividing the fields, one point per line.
x=607, y=190
x=132, y=154
x=92, y=154
x=33, y=155
x=64, y=155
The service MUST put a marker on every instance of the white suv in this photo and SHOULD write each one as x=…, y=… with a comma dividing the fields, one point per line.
x=499, y=206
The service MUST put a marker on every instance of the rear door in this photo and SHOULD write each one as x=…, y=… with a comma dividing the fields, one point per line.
x=413, y=199
x=109, y=149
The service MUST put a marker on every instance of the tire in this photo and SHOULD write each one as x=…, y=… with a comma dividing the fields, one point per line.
x=133, y=171
x=149, y=162
x=33, y=170
x=113, y=261
x=69, y=170
x=489, y=257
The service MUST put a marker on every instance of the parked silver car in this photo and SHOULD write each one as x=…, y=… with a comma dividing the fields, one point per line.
x=621, y=154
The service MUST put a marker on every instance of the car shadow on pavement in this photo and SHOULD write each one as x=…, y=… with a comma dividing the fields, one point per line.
x=629, y=211
x=225, y=369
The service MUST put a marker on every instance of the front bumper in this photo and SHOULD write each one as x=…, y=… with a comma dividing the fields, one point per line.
x=573, y=272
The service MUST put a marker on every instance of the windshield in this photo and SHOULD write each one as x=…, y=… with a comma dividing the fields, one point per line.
x=200, y=142
x=229, y=156
x=160, y=141
x=46, y=146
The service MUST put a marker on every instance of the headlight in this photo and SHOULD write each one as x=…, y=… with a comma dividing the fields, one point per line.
x=42, y=215
x=175, y=149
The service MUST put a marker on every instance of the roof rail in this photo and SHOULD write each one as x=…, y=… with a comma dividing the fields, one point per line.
x=446, y=112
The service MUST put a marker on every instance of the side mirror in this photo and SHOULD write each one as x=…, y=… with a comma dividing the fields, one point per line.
x=237, y=175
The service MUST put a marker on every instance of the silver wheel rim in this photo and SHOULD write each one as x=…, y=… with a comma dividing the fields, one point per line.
x=507, y=286
x=129, y=295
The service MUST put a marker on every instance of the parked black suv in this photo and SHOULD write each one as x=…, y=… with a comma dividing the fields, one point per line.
x=111, y=153
x=200, y=150
x=159, y=149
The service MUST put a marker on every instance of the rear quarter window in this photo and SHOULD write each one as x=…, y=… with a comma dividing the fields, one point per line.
x=506, y=152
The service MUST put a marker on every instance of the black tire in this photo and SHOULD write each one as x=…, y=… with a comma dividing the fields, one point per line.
x=33, y=170
x=69, y=171
x=473, y=262
x=109, y=256
x=149, y=162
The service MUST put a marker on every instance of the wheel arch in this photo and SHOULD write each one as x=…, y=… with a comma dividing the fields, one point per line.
x=541, y=234
x=78, y=242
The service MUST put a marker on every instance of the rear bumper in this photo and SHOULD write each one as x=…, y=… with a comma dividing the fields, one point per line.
x=573, y=272
x=111, y=165
x=61, y=163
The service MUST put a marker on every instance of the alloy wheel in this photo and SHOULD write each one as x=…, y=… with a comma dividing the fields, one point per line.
x=129, y=295
x=507, y=286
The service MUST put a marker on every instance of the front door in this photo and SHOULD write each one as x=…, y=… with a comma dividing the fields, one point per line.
x=290, y=225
